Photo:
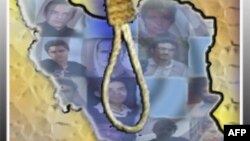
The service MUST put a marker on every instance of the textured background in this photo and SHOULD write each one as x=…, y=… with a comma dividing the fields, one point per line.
x=34, y=115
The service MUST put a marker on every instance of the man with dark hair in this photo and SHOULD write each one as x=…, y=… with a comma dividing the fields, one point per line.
x=162, y=63
x=59, y=65
x=157, y=17
x=58, y=13
x=55, y=43
x=101, y=55
x=121, y=101
x=164, y=130
x=118, y=93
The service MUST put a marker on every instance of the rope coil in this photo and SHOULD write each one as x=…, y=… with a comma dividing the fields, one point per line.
x=120, y=12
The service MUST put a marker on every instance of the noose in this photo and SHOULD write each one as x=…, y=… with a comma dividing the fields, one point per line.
x=120, y=12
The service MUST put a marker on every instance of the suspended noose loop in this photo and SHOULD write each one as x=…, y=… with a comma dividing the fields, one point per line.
x=120, y=12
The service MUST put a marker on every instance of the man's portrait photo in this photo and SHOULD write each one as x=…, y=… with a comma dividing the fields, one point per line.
x=162, y=62
x=57, y=59
x=123, y=104
x=60, y=19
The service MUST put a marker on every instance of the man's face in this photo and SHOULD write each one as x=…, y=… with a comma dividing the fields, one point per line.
x=58, y=15
x=117, y=92
x=164, y=51
x=103, y=53
x=58, y=53
x=157, y=21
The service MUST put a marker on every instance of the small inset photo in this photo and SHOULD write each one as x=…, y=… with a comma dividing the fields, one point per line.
x=57, y=18
x=96, y=57
x=123, y=104
x=59, y=57
x=164, y=60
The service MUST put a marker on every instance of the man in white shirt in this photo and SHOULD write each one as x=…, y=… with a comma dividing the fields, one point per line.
x=162, y=64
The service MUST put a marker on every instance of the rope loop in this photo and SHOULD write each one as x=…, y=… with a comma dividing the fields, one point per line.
x=125, y=30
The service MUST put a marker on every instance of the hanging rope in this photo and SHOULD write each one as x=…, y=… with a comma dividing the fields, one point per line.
x=120, y=13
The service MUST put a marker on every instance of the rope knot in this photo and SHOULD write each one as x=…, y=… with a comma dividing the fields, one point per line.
x=120, y=11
